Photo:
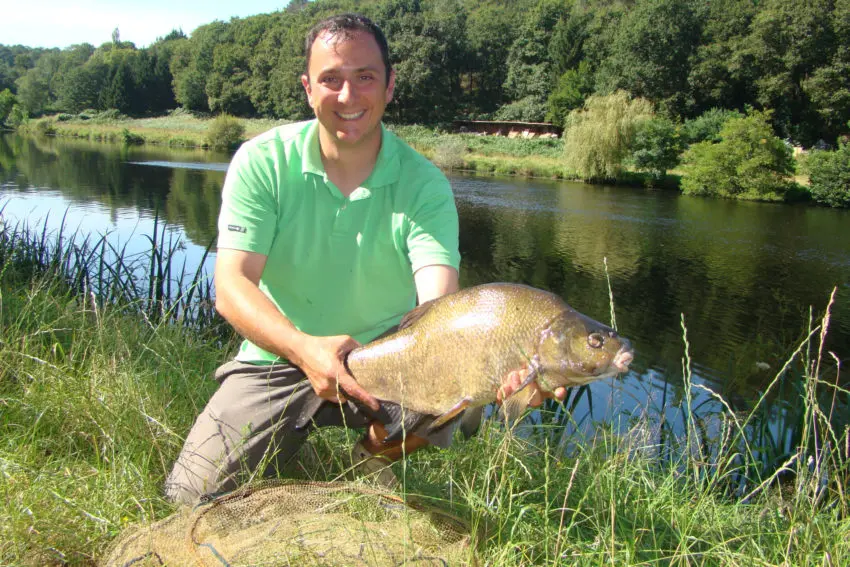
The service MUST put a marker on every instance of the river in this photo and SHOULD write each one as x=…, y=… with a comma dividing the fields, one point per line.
x=743, y=277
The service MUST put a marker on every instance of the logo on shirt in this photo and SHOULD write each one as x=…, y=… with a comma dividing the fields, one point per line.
x=237, y=228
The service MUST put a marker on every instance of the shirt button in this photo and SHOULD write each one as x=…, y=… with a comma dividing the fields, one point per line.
x=342, y=208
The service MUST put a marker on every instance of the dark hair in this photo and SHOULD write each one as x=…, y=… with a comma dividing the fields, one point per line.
x=345, y=26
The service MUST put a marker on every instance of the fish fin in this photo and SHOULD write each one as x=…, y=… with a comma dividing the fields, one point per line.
x=414, y=314
x=396, y=430
x=516, y=404
x=308, y=410
x=452, y=413
x=470, y=421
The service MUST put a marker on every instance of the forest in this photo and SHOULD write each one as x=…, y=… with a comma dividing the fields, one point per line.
x=528, y=60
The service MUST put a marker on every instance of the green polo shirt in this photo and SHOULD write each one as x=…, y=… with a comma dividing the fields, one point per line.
x=336, y=265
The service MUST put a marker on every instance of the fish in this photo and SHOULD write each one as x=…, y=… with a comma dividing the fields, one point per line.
x=452, y=354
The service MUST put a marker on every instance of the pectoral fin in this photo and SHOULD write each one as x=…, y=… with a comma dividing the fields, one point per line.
x=516, y=404
x=414, y=314
x=452, y=413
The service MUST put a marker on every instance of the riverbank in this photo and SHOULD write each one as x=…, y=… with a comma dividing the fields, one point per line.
x=99, y=382
x=482, y=155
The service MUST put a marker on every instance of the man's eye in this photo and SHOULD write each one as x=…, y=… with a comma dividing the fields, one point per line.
x=366, y=77
x=328, y=80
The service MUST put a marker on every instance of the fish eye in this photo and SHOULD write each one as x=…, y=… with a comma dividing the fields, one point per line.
x=595, y=340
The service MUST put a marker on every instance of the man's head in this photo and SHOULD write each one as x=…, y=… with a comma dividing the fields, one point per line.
x=343, y=27
x=348, y=81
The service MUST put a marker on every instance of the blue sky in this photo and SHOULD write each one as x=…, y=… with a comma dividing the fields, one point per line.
x=55, y=23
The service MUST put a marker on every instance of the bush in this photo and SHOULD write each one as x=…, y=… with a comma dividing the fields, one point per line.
x=17, y=117
x=749, y=162
x=110, y=114
x=528, y=109
x=656, y=146
x=829, y=174
x=225, y=131
x=449, y=153
x=64, y=117
x=45, y=128
x=707, y=126
x=598, y=137
x=131, y=139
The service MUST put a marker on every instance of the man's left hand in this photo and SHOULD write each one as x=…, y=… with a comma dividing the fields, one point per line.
x=515, y=379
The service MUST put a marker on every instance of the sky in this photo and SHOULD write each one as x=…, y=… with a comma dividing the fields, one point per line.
x=60, y=23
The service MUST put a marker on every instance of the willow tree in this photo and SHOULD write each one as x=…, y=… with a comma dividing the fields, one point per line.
x=598, y=137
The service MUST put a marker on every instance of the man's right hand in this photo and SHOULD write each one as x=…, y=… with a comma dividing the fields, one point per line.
x=255, y=317
x=322, y=359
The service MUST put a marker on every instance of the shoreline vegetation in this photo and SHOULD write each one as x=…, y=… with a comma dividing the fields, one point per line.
x=462, y=152
x=103, y=368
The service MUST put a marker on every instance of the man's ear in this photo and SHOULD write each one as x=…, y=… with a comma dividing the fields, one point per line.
x=305, y=82
x=390, y=86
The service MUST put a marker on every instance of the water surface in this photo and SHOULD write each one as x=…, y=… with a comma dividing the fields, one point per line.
x=744, y=277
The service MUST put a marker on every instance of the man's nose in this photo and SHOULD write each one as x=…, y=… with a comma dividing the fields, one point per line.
x=346, y=92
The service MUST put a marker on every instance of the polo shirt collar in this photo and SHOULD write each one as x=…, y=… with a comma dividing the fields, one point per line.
x=387, y=167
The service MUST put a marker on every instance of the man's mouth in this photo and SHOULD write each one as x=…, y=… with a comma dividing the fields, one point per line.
x=351, y=116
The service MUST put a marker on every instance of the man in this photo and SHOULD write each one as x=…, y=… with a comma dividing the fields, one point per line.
x=329, y=232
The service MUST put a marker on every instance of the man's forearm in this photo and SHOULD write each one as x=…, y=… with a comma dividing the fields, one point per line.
x=257, y=319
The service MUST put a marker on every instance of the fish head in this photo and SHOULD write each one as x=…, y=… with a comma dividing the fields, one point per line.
x=574, y=350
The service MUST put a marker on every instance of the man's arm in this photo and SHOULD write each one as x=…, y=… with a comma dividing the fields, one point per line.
x=255, y=317
x=435, y=281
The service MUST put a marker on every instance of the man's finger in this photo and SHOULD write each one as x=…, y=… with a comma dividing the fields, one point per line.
x=355, y=390
x=561, y=393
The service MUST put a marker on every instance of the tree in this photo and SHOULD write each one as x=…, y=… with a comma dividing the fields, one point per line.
x=828, y=87
x=721, y=73
x=7, y=102
x=529, y=78
x=490, y=32
x=119, y=89
x=651, y=52
x=788, y=41
x=656, y=146
x=598, y=137
x=81, y=87
x=749, y=162
x=829, y=175
x=574, y=86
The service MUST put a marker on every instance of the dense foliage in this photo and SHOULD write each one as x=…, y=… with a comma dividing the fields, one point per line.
x=829, y=173
x=749, y=162
x=599, y=136
x=522, y=60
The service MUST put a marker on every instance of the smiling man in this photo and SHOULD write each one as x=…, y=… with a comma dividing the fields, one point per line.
x=329, y=231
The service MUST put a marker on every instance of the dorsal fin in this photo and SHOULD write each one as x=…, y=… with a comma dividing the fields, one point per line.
x=415, y=314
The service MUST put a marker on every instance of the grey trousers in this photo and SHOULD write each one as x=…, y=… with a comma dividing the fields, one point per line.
x=250, y=423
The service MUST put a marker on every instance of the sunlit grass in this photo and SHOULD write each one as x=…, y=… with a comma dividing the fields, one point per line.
x=96, y=397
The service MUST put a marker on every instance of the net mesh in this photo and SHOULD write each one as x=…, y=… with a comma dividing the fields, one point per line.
x=300, y=524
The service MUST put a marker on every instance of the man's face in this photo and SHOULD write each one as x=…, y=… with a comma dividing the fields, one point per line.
x=347, y=88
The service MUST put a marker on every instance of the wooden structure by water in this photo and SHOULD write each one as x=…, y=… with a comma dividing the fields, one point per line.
x=507, y=128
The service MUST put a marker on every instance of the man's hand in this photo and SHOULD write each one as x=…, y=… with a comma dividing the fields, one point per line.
x=515, y=379
x=322, y=359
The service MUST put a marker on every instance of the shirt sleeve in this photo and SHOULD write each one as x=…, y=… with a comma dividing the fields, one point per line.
x=433, y=235
x=249, y=207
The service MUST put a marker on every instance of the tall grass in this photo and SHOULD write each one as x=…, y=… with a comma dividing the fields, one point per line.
x=96, y=394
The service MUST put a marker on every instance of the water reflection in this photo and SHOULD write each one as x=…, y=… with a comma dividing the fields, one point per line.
x=744, y=275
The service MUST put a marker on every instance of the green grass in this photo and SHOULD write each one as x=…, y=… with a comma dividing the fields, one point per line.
x=96, y=394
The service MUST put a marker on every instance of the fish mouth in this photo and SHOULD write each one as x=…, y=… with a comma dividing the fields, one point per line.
x=622, y=360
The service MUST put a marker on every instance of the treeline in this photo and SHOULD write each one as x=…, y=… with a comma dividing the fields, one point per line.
x=530, y=60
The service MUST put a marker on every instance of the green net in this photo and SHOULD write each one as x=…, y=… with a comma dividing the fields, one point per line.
x=300, y=523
